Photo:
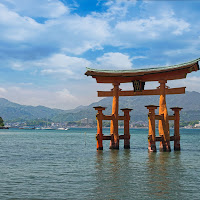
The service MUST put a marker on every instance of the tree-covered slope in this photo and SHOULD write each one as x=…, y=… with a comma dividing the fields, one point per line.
x=14, y=111
x=190, y=102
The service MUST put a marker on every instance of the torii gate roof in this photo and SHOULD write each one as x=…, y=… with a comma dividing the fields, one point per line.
x=148, y=74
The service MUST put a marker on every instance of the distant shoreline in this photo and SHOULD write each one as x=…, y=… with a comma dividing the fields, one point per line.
x=131, y=128
x=3, y=127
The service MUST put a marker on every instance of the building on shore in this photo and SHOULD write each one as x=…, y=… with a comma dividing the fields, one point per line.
x=197, y=125
x=86, y=121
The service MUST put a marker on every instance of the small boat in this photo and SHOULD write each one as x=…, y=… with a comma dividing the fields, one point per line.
x=63, y=129
x=47, y=128
x=27, y=128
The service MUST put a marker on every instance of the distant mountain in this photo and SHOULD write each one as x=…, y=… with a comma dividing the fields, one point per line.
x=190, y=102
x=12, y=111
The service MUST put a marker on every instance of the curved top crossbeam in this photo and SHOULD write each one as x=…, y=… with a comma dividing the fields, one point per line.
x=148, y=74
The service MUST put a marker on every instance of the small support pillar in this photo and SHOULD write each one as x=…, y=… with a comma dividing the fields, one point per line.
x=114, y=143
x=152, y=130
x=176, y=128
x=99, y=135
x=164, y=124
x=126, y=127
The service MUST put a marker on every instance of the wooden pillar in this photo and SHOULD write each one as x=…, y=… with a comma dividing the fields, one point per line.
x=176, y=128
x=114, y=143
x=99, y=135
x=164, y=124
x=126, y=127
x=152, y=128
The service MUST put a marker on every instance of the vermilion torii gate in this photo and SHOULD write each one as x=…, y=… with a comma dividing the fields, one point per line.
x=138, y=78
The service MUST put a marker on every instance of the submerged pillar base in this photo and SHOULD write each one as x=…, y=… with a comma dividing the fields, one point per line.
x=127, y=146
x=177, y=145
x=177, y=148
x=127, y=142
x=99, y=138
x=114, y=145
x=165, y=146
x=152, y=148
x=99, y=148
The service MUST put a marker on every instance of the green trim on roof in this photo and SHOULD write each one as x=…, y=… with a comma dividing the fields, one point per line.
x=145, y=69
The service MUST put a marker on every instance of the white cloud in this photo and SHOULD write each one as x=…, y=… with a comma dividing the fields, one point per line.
x=138, y=57
x=116, y=9
x=2, y=90
x=65, y=95
x=18, y=66
x=62, y=99
x=69, y=33
x=63, y=61
x=16, y=28
x=77, y=34
x=71, y=67
x=63, y=66
x=56, y=65
x=38, y=8
x=193, y=49
x=142, y=30
x=114, y=61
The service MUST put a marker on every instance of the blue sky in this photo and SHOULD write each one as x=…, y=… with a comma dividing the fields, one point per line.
x=46, y=45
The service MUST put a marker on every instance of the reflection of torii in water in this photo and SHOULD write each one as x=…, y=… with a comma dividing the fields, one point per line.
x=138, y=78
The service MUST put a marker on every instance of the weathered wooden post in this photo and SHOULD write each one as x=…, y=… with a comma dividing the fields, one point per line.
x=114, y=143
x=126, y=127
x=164, y=123
x=176, y=128
x=152, y=128
x=99, y=135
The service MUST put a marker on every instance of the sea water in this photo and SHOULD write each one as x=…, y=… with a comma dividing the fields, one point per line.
x=41, y=164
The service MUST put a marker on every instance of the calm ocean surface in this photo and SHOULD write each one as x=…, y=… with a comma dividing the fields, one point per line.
x=41, y=164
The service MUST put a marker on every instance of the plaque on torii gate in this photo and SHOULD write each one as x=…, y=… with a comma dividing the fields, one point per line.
x=138, y=78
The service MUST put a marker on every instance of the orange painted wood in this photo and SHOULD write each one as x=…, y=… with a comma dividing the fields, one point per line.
x=104, y=93
x=164, y=124
x=159, y=138
x=144, y=78
x=111, y=117
x=99, y=130
x=155, y=71
x=159, y=117
x=114, y=144
x=180, y=90
x=152, y=131
x=121, y=137
x=126, y=128
x=108, y=117
x=162, y=74
x=106, y=137
x=171, y=117
x=121, y=117
x=176, y=128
